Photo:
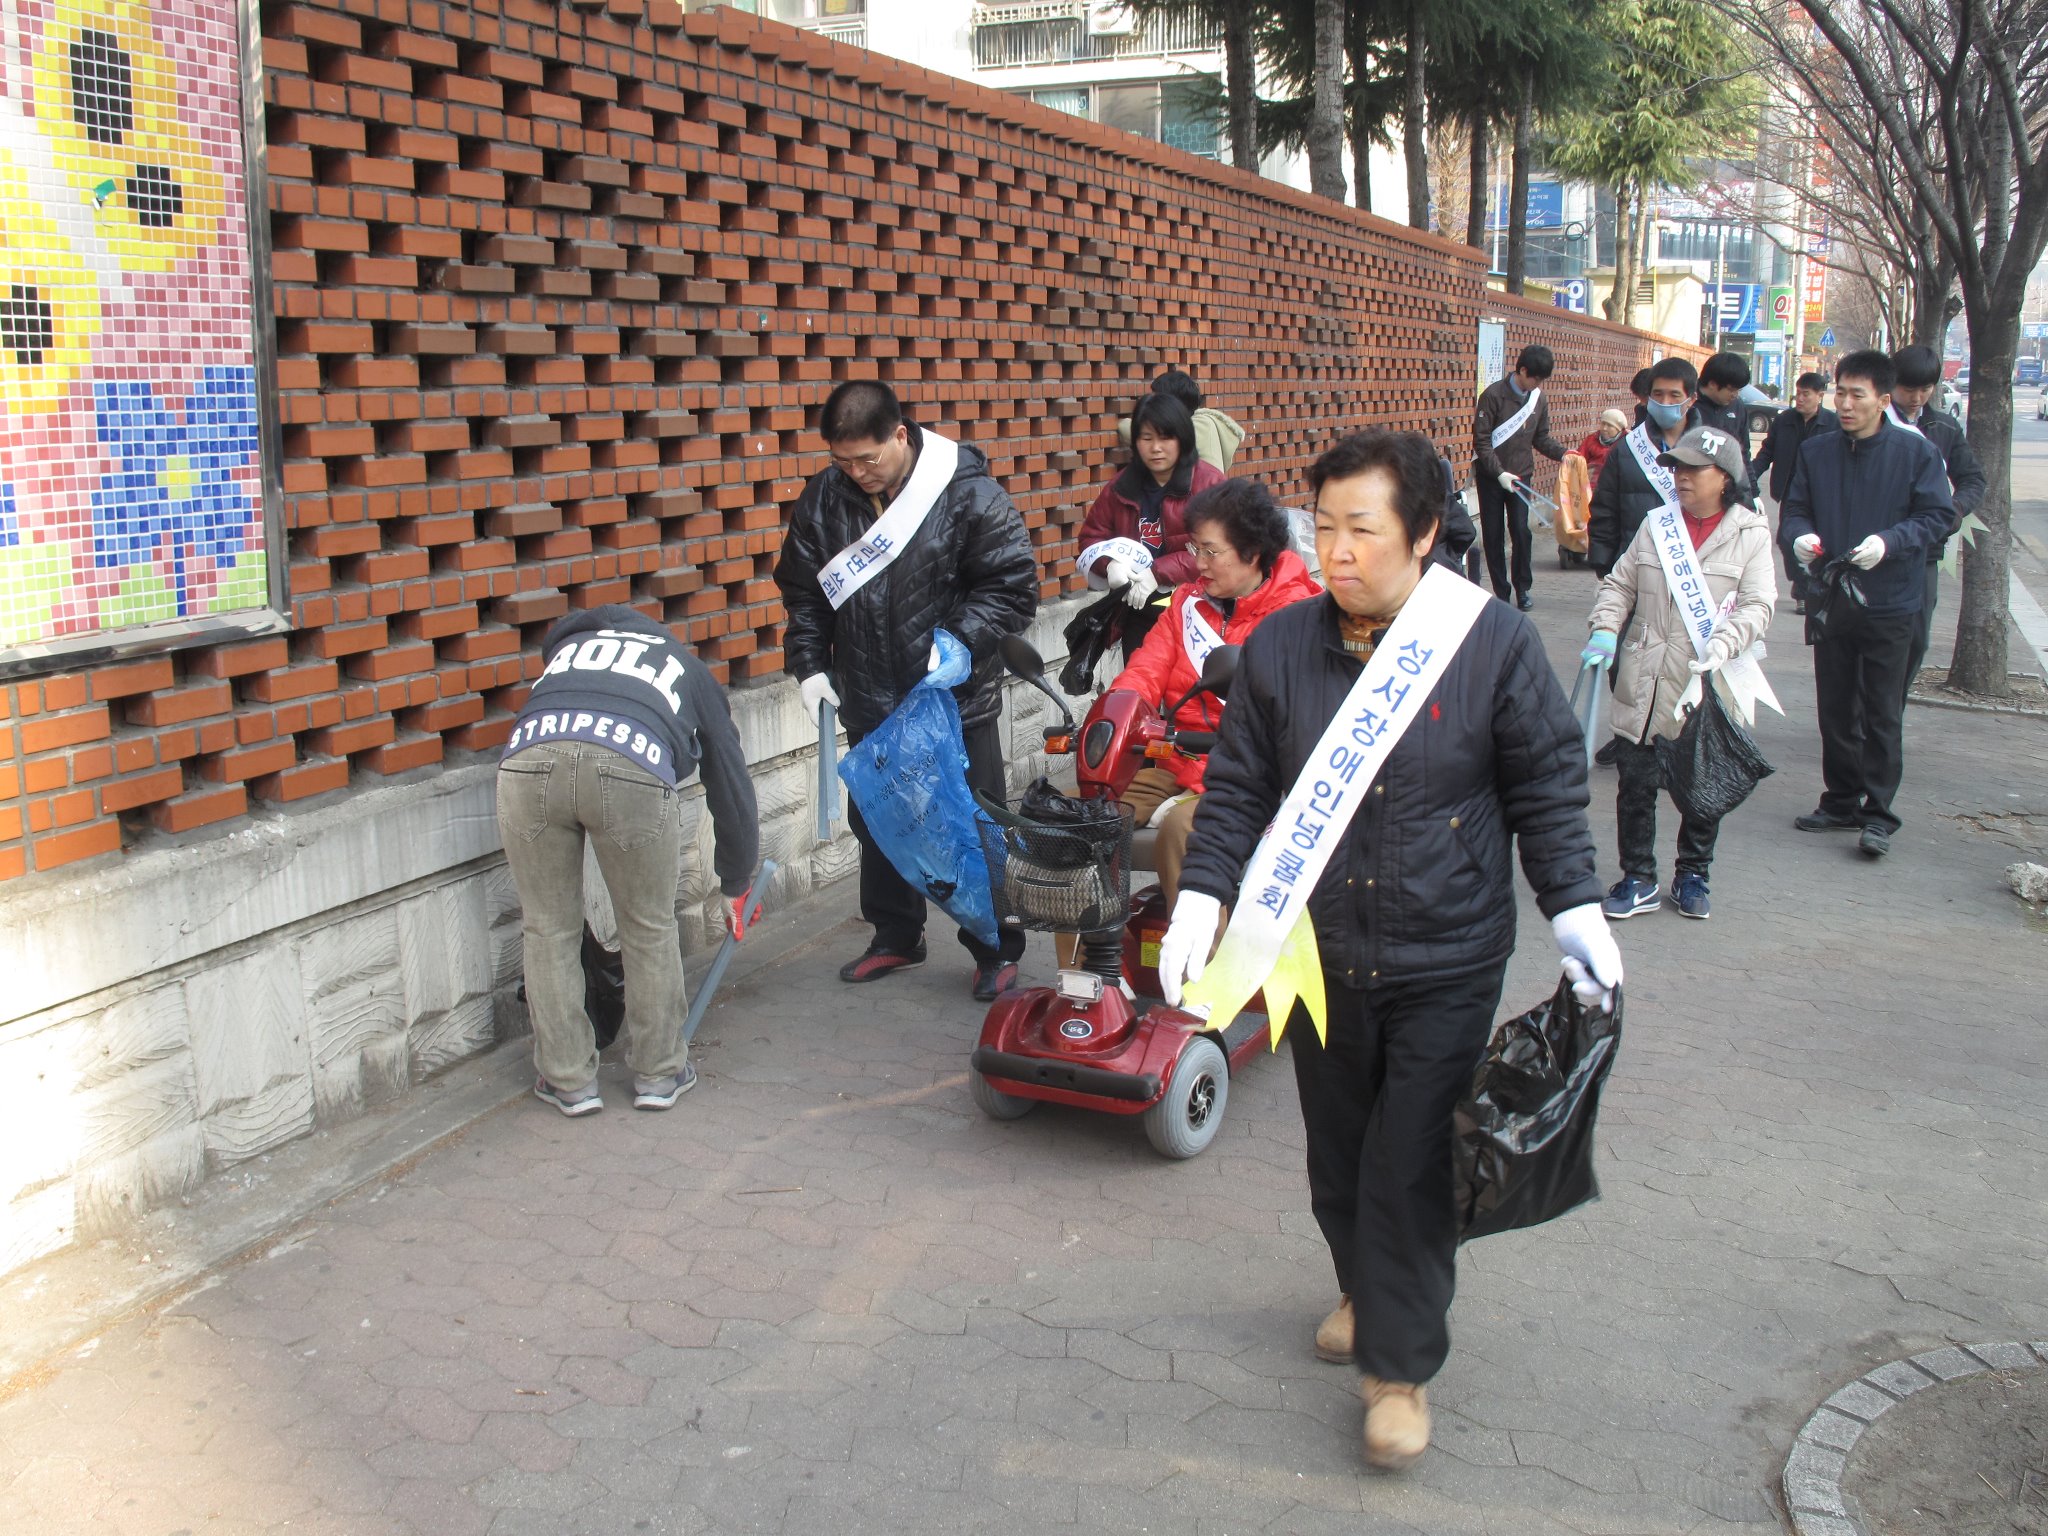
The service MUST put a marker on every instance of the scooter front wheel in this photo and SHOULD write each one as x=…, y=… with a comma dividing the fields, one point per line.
x=1186, y=1120
x=995, y=1103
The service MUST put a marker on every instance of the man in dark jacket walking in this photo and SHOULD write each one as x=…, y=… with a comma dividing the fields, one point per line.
x=1916, y=373
x=1876, y=496
x=878, y=558
x=1509, y=428
x=1805, y=418
x=621, y=717
x=1632, y=484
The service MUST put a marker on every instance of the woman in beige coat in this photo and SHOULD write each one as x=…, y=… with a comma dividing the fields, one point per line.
x=1656, y=659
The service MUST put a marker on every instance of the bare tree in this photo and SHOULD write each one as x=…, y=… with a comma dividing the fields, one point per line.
x=1981, y=181
x=1326, y=113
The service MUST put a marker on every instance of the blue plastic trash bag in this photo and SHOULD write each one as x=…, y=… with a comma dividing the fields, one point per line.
x=909, y=778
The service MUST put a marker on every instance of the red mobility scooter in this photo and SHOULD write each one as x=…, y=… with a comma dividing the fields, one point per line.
x=1100, y=1039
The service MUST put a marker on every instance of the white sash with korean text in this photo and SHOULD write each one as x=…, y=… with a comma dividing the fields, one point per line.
x=1662, y=481
x=1137, y=556
x=1516, y=422
x=1198, y=636
x=1746, y=685
x=1271, y=941
x=874, y=551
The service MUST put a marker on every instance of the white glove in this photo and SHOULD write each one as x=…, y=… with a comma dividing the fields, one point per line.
x=1720, y=651
x=1806, y=548
x=1143, y=585
x=932, y=661
x=1866, y=555
x=1591, y=959
x=1189, y=938
x=817, y=690
x=1507, y=482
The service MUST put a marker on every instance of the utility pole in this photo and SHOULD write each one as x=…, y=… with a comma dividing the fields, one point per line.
x=1720, y=280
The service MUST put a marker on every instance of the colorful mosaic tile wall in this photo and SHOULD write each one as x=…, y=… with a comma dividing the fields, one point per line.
x=560, y=290
x=129, y=462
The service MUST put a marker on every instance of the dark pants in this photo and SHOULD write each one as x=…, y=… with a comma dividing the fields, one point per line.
x=1924, y=633
x=1635, y=817
x=1859, y=685
x=1376, y=1100
x=892, y=903
x=1496, y=507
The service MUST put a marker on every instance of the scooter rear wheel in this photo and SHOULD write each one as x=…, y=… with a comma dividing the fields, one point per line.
x=995, y=1103
x=1186, y=1120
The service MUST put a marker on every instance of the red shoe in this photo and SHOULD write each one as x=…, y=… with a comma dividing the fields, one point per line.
x=876, y=962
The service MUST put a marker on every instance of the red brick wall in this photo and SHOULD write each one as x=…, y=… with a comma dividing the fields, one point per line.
x=559, y=294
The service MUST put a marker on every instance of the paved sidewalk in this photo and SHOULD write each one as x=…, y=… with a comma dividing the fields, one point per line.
x=825, y=1295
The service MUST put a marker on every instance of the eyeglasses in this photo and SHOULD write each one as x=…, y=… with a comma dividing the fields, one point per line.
x=1204, y=552
x=851, y=462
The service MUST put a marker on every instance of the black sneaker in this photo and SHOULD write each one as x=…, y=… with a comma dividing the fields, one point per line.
x=1605, y=756
x=1821, y=821
x=1876, y=842
x=993, y=979
x=1524, y=601
x=875, y=962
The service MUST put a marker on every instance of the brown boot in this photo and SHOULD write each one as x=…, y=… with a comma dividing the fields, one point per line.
x=1333, y=1337
x=1396, y=1423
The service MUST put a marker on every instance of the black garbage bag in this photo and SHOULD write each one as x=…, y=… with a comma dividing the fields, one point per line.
x=1090, y=633
x=604, y=988
x=1523, y=1137
x=1713, y=764
x=1834, y=599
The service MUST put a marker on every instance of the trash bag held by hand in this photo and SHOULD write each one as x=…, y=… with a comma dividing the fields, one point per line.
x=1089, y=635
x=1522, y=1141
x=1834, y=601
x=1714, y=764
x=909, y=778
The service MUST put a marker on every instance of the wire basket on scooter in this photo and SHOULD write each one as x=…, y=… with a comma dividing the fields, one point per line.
x=1064, y=869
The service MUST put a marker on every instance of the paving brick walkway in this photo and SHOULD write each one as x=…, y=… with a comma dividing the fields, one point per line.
x=826, y=1295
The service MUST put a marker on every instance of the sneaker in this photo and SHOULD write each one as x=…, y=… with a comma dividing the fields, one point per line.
x=876, y=962
x=1605, y=756
x=1689, y=894
x=1630, y=896
x=662, y=1092
x=1396, y=1423
x=993, y=979
x=1524, y=601
x=1334, y=1335
x=1824, y=821
x=570, y=1101
x=1876, y=842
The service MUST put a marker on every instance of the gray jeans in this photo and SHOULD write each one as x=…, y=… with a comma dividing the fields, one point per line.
x=549, y=798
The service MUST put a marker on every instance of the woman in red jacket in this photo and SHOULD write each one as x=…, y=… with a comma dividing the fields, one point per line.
x=1599, y=441
x=1135, y=536
x=1246, y=569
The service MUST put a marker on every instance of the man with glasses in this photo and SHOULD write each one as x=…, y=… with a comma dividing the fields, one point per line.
x=905, y=533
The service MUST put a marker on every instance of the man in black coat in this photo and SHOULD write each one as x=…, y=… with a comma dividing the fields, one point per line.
x=1626, y=491
x=1916, y=373
x=966, y=568
x=1805, y=418
x=1510, y=426
x=1876, y=496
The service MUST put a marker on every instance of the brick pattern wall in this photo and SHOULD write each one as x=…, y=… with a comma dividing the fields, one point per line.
x=560, y=290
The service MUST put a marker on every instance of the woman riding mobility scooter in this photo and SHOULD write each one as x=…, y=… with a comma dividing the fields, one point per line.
x=1100, y=1039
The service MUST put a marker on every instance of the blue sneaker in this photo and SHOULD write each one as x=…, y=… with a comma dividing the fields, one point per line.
x=570, y=1101
x=662, y=1092
x=1689, y=895
x=1630, y=896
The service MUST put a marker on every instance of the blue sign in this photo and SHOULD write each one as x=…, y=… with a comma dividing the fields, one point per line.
x=1770, y=371
x=1571, y=294
x=1546, y=206
x=1827, y=338
x=1743, y=311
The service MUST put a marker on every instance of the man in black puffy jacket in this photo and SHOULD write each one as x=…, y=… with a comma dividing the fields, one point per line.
x=877, y=558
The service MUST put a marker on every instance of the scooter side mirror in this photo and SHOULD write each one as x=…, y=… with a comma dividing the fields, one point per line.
x=1219, y=669
x=1021, y=657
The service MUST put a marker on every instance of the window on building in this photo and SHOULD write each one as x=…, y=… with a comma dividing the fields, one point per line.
x=1180, y=113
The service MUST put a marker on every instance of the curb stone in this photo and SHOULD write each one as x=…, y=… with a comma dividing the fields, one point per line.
x=1813, y=1472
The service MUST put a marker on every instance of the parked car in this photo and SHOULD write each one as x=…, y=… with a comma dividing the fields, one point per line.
x=1759, y=410
x=2027, y=371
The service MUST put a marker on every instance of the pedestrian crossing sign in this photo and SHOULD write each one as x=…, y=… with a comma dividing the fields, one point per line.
x=1827, y=338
